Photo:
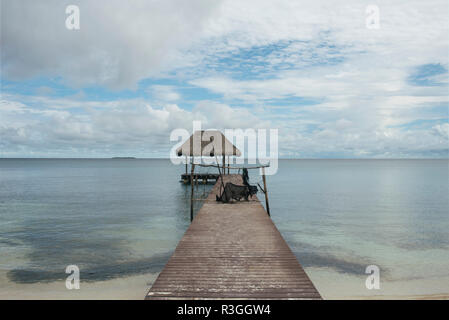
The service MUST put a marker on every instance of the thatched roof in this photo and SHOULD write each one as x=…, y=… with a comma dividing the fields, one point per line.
x=208, y=143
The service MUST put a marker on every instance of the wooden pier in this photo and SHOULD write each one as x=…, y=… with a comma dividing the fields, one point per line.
x=232, y=251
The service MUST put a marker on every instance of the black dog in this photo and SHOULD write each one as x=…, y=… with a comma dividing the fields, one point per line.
x=236, y=192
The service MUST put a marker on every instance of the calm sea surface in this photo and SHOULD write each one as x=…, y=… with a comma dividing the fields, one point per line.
x=119, y=218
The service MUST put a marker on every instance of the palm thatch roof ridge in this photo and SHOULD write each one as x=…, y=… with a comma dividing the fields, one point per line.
x=207, y=143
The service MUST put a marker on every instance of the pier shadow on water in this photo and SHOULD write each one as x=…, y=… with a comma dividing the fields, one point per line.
x=321, y=257
x=152, y=264
x=111, y=218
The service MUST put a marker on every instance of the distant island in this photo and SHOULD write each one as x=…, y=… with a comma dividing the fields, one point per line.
x=123, y=157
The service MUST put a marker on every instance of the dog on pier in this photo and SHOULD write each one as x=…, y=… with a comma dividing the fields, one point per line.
x=232, y=191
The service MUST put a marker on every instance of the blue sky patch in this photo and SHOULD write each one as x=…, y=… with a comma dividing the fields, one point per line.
x=424, y=75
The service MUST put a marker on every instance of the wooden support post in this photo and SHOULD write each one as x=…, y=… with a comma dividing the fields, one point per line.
x=229, y=165
x=186, y=164
x=224, y=164
x=221, y=176
x=191, y=191
x=196, y=181
x=266, y=191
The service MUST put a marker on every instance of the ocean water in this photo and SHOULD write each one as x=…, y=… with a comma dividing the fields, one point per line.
x=119, y=221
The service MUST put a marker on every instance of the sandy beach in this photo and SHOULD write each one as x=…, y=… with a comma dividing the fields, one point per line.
x=434, y=288
x=135, y=288
x=129, y=288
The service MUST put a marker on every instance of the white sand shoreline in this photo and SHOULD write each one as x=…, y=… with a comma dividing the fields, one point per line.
x=128, y=288
x=330, y=286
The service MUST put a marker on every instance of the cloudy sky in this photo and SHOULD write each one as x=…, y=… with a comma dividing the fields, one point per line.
x=312, y=69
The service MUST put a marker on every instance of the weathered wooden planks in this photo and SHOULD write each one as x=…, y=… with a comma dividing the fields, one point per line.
x=232, y=251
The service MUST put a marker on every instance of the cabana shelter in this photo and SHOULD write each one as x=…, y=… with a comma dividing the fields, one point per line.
x=207, y=143
x=211, y=143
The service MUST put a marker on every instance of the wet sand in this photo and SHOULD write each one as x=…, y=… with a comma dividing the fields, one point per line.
x=135, y=287
x=335, y=286
x=129, y=288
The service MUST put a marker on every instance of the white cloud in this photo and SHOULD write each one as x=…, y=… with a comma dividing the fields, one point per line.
x=355, y=79
x=117, y=45
x=221, y=116
x=129, y=125
x=164, y=93
x=442, y=129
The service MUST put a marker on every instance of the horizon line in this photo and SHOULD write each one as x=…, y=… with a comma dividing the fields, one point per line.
x=163, y=158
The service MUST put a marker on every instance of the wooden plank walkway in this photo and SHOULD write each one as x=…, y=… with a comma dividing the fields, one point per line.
x=232, y=251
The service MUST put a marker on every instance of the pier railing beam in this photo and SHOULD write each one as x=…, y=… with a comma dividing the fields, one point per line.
x=266, y=191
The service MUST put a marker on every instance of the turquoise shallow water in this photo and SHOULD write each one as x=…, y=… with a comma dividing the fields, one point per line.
x=346, y=214
x=118, y=218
